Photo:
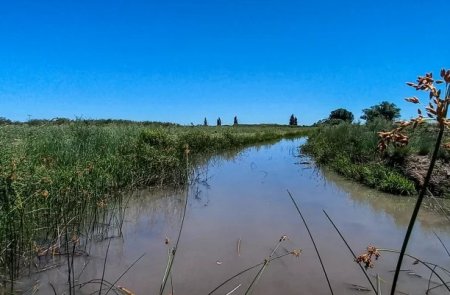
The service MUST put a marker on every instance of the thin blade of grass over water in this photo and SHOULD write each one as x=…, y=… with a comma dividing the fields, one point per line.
x=430, y=266
x=175, y=249
x=312, y=240
x=104, y=266
x=264, y=266
x=416, y=210
x=128, y=268
x=378, y=285
x=246, y=270
x=442, y=243
x=232, y=291
x=351, y=251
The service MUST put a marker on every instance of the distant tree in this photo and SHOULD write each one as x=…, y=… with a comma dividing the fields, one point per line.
x=235, y=122
x=4, y=121
x=291, y=120
x=219, y=122
x=341, y=114
x=386, y=110
x=60, y=121
x=205, y=122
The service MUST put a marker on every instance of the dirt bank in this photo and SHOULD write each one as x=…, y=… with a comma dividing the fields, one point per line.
x=416, y=167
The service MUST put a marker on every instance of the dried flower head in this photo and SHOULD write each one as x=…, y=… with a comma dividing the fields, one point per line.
x=393, y=137
x=436, y=109
x=283, y=238
x=296, y=252
x=412, y=99
x=367, y=257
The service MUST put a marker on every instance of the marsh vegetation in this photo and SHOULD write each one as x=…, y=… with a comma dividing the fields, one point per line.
x=61, y=185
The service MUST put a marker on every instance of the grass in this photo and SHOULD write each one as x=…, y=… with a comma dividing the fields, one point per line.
x=60, y=184
x=350, y=150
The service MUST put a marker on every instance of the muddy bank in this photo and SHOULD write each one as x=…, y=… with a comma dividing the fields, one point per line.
x=415, y=168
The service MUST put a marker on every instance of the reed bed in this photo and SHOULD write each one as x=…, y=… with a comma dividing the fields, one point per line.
x=61, y=185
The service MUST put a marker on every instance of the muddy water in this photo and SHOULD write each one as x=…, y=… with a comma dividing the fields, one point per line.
x=244, y=198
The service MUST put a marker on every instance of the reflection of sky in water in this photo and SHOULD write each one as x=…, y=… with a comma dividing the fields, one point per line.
x=243, y=196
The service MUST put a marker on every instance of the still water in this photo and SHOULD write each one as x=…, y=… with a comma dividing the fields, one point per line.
x=237, y=211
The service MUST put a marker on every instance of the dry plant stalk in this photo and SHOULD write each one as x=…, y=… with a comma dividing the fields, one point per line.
x=436, y=110
x=366, y=257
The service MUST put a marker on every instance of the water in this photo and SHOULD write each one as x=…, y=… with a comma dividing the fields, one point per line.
x=244, y=198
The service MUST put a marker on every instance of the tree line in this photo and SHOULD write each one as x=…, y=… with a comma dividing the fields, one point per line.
x=384, y=110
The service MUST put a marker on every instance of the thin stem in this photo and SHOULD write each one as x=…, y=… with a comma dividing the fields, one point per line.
x=264, y=266
x=440, y=285
x=378, y=285
x=175, y=249
x=312, y=240
x=426, y=264
x=246, y=270
x=256, y=278
x=423, y=190
x=128, y=268
x=429, y=280
x=104, y=266
x=351, y=251
x=442, y=243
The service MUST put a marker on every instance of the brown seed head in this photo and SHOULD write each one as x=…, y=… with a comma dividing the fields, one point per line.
x=412, y=99
x=296, y=252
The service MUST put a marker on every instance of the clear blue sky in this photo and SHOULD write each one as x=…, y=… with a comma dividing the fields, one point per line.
x=181, y=61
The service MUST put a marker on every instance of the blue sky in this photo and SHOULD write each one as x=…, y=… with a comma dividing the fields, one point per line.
x=181, y=61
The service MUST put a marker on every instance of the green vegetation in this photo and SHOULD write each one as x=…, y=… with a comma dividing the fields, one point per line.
x=336, y=117
x=351, y=151
x=384, y=110
x=58, y=182
x=341, y=114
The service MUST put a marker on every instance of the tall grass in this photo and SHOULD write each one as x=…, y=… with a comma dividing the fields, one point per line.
x=60, y=185
x=350, y=150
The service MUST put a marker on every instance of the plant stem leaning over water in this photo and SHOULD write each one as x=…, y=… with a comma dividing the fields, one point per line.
x=436, y=110
x=264, y=266
x=167, y=274
x=312, y=240
x=351, y=251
